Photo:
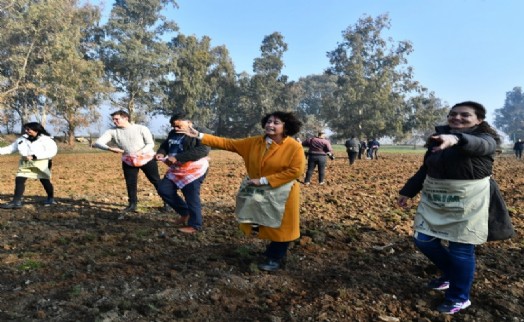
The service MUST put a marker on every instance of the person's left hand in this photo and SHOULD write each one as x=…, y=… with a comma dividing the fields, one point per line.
x=27, y=158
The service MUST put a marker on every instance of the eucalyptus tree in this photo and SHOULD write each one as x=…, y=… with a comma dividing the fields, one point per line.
x=135, y=56
x=422, y=113
x=201, y=82
x=186, y=86
x=315, y=88
x=8, y=120
x=266, y=91
x=28, y=27
x=373, y=80
x=510, y=117
x=239, y=122
x=74, y=82
x=16, y=46
x=225, y=91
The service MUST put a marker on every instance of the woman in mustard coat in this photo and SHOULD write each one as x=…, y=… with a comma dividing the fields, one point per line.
x=273, y=159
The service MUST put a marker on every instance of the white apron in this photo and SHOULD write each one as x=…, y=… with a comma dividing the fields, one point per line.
x=262, y=205
x=454, y=210
x=34, y=169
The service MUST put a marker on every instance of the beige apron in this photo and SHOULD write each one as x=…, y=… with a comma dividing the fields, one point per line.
x=34, y=169
x=454, y=210
x=261, y=205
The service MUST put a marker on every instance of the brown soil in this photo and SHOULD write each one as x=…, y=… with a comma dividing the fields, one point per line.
x=83, y=260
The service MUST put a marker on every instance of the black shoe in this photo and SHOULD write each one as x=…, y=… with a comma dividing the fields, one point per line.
x=50, y=202
x=166, y=208
x=12, y=205
x=270, y=266
x=130, y=208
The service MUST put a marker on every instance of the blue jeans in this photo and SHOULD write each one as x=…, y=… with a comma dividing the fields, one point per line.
x=457, y=263
x=189, y=205
x=276, y=250
x=312, y=161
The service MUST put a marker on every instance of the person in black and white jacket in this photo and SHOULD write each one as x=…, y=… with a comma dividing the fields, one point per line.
x=36, y=148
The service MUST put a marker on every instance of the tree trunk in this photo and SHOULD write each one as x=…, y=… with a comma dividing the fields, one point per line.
x=71, y=137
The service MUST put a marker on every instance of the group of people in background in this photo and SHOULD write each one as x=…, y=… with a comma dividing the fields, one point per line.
x=319, y=149
x=458, y=195
x=356, y=149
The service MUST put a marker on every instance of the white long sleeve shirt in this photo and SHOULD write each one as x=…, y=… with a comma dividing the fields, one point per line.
x=43, y=147
x=133, y=139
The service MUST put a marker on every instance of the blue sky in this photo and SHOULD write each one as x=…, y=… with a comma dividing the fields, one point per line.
x=463, y=49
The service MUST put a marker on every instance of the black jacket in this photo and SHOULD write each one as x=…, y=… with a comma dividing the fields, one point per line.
x=470, y=159
x=193, y=148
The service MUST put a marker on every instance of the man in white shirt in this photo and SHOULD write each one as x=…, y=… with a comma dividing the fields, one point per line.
x=136, y=144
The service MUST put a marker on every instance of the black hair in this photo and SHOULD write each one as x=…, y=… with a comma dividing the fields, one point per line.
x=292, y=124
x=480, y=110
x=37, y=127
x=121, y=113
x=178, y=115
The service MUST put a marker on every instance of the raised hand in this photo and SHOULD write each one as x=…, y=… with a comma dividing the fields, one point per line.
x=189, y=131
x=445, y=141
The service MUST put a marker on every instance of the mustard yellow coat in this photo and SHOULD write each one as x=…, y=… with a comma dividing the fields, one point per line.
x=280, y=164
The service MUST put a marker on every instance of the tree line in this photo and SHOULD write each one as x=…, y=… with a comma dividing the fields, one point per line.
x=57, y=59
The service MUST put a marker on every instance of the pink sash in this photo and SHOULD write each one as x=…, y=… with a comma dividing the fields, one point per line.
x=187, y=172
x=137, y=160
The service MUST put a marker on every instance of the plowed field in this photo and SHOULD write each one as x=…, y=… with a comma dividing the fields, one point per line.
x=83, y=260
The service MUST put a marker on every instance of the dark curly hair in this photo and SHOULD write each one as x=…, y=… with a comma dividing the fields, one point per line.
x=292, y=124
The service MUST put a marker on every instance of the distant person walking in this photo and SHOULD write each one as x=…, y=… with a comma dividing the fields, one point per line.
x=518, y=147
x=135, y=143
x=362, y=149
x=352, y=148
x=36, y=148
x=373, y=149
x=319, y=150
